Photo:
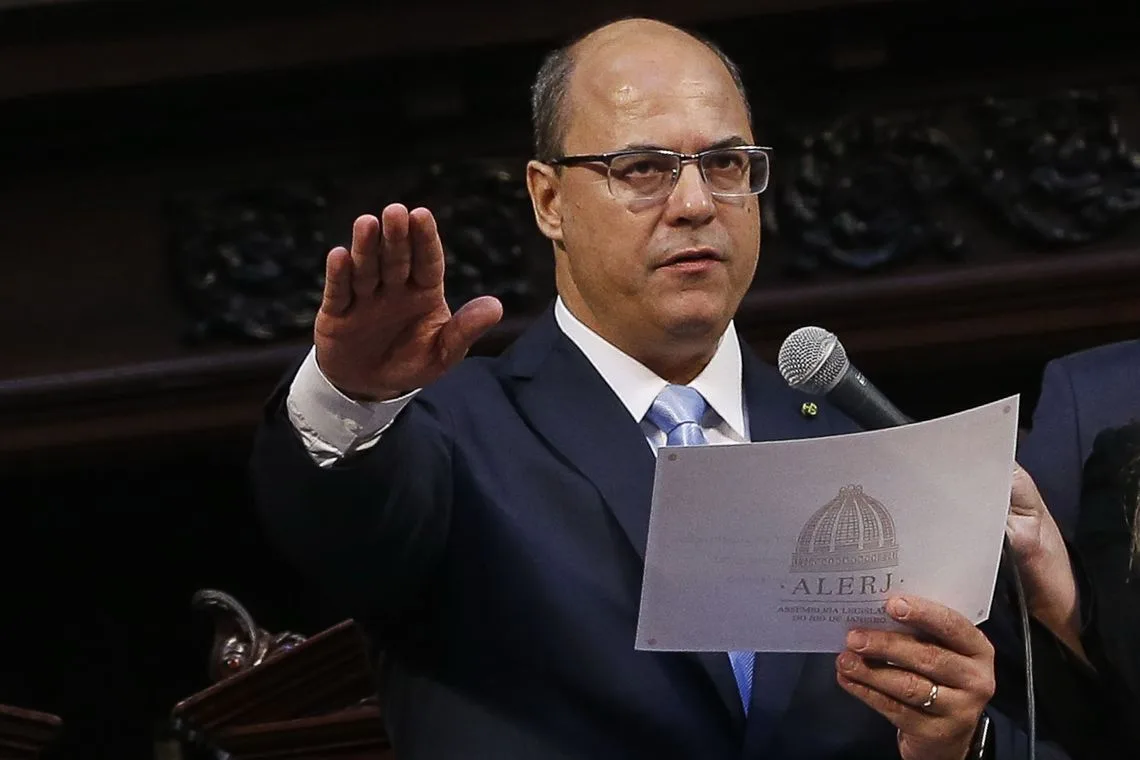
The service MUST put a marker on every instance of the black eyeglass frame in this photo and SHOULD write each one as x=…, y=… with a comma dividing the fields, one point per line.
x=684, y=158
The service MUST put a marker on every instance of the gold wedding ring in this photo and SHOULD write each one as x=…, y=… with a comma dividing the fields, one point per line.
x=930, y=699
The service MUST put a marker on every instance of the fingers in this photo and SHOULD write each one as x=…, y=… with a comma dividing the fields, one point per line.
x=947, y=627
x=427, y=259
x=468, y=323
x=924, y=710
x=365, y=268
x=892, y=684
x=896, y=673
x=398, y=247
x=338, y=282
x=925, y=660
x=911, y=720
x=395, y=246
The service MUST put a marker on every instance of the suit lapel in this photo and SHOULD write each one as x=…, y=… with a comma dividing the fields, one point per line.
x=775, y=411
x=576, y=412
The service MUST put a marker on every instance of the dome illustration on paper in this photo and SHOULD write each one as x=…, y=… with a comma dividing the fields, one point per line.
x=852, y=532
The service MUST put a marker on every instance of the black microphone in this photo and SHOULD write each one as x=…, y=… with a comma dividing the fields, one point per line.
x=813, y=360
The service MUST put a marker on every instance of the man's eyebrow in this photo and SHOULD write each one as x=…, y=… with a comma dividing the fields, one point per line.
x=728, y=142
x=640, y=146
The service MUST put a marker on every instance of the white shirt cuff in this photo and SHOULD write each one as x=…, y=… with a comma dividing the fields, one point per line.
x=329, y=422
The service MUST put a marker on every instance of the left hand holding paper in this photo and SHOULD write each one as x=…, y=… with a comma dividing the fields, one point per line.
x=931, y=681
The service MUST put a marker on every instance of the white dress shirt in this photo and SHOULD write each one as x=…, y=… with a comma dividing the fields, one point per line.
x=333, y=426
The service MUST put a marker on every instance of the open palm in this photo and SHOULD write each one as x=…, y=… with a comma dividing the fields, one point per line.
x=384, y=326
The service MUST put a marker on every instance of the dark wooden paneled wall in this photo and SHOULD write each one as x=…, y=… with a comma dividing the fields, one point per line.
x=956, y=195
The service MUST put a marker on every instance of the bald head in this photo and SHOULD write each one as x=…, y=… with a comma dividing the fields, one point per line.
x=632, y=31
x=619, y=60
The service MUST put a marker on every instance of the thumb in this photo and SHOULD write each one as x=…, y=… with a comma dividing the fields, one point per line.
x=466, y=326
x=1024, y=499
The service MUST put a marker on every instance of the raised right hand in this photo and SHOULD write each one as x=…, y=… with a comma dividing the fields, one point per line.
x=383, y=327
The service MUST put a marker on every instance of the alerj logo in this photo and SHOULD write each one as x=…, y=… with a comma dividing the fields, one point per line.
x=846, y=550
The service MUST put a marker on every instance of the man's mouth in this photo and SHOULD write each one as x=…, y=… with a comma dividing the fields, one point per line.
x=692, y=256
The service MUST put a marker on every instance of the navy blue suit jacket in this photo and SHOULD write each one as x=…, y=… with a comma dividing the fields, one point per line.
x=1081, y=395
x=494, y=541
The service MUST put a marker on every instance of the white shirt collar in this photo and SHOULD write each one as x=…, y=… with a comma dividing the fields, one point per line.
x=720, y=382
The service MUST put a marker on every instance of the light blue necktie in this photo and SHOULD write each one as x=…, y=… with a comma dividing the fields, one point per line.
x=677, y=412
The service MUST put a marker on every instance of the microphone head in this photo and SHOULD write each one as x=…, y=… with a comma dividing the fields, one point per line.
x=812, y=359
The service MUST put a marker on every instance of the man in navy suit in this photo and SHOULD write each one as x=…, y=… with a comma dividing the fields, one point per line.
x=488, y=517
x=1081, y=395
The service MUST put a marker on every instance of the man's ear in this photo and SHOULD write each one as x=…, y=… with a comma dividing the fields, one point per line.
x=545, y=188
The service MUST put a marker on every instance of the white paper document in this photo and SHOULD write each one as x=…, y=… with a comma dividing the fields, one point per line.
x=785, y=546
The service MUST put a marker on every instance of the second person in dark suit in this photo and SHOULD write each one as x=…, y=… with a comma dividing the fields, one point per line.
x=1081, y=395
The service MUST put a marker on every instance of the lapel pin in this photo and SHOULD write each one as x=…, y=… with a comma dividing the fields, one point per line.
x=809, y=409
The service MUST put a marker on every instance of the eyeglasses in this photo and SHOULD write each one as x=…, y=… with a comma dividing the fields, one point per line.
x=645, y=175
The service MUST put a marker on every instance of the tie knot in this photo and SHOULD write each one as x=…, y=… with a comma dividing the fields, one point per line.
x=675, y=406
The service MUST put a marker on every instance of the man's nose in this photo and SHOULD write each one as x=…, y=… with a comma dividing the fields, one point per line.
x=691, y=200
